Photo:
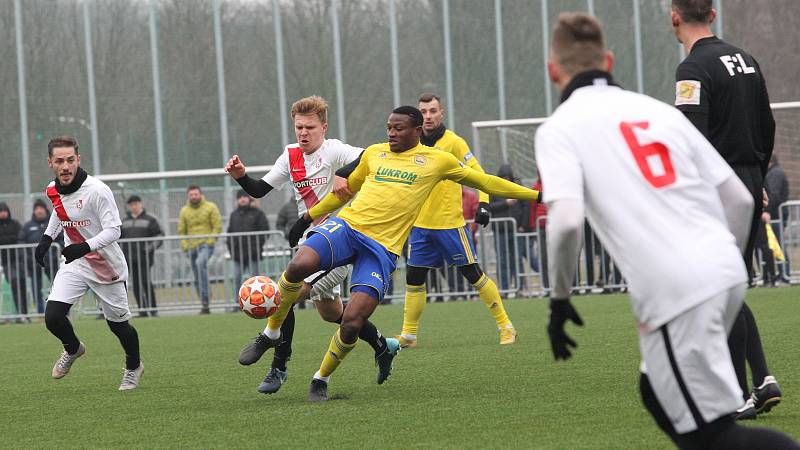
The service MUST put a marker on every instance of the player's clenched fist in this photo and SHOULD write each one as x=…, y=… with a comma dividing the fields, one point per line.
x=75, y=251
x=340, y=188
x=235, y=167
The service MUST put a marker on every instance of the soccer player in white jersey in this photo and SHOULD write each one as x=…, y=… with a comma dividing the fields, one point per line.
x=670, y=212
x=309, y=165
x=84, y=208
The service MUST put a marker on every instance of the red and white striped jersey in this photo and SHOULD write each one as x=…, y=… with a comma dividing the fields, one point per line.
x=310, y=174
x=82, y=215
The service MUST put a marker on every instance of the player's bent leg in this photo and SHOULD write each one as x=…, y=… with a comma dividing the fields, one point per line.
x=766, y=393
x=490, y=296
x=415, y=301
x=55, y=316
x=361, y=306
x=279, y=373
x=129, y=339
x=57, y=322
x=254, y=350
x=303, y=264
x=67, y=287
x=737, y=342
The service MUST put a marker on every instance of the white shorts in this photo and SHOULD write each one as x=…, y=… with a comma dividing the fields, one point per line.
x=688, y=363
x=328, y=287
x=69, y=285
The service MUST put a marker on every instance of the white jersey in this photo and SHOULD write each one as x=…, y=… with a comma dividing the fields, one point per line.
x=83, y=214
x=311, y=174
x=648, y=179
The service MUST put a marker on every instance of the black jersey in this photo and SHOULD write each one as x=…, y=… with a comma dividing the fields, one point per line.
x=721, y=89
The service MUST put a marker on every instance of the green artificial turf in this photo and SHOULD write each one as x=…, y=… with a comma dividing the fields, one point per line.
x=457, y=389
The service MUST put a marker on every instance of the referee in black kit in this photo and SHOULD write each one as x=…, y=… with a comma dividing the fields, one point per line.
x=721, y=90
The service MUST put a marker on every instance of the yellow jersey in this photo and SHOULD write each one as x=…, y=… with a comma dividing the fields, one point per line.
x=443, y=209
x=392, y=187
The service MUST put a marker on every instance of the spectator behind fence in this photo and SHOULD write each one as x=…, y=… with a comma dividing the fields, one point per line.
x=31, y=233
x=11, y=259
x=287, y=216
x=199, y=217
x=140, y=254
x=504, y=232
x=246, y=250
x=777, y=186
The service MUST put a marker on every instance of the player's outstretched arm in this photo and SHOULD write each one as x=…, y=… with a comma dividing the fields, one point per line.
x=564, y=228
x=254, y=188
x=490, y=184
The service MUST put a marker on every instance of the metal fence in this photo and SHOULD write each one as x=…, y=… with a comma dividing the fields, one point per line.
x=160, y=85
x=161, y=277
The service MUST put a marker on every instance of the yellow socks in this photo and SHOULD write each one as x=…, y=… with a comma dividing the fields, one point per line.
x=490, y=296
x=412, y=311
x=337, y=351
x=289, y=294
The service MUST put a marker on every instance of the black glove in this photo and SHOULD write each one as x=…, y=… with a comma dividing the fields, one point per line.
x=42, y=248
x=483, y=214
x=75, y=251
x=298, y=229
x=561, y=310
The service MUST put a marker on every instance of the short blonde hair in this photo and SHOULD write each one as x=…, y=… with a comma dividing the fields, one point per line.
x=311, y=105
x=578, y=43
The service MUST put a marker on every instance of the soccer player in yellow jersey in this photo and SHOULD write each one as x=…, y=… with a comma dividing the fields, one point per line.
x=440, y=234
x=394, y=180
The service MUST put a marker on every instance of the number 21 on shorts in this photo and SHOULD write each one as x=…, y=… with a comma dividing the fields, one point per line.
x=643, y=154
x=330, y=226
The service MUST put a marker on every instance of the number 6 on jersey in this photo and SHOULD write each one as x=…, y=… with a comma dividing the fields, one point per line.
x=645, y=154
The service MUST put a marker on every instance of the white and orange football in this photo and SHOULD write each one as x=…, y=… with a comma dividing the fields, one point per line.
x=259, y=297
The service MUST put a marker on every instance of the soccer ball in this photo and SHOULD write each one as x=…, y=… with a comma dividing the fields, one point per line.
x=259, y=297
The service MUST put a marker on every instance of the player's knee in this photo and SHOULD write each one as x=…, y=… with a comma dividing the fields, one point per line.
x=296, y=270
x=120, y=328
x=55, y=313
x=415, y=276
x=303, y=264
x=472, y=272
